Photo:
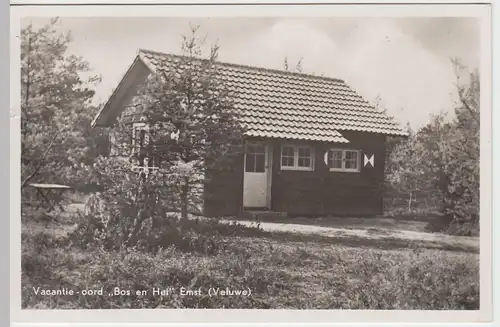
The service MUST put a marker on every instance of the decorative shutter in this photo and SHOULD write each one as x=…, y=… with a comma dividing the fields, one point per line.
x=368, y=160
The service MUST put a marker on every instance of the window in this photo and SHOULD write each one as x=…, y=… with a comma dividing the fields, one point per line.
x=351, y=160
x=113, y=150
x=287, y=156
x=144, y=159
x=255, y=158
x=335, y=159
x=305, y=157
x=294, y=157
x=139, y=137
x=343, y=160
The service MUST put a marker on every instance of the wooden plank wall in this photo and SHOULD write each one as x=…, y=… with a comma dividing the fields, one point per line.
x=223, y=192
x=322, y=192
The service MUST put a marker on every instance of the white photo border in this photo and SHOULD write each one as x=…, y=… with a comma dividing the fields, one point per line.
x=141, y=316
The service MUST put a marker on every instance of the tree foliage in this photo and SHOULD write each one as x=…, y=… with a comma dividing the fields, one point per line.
x=179, y=131
x=56, y=138
x=391, y=142
x=296, y=69
x=180, y=126
x=442, y=158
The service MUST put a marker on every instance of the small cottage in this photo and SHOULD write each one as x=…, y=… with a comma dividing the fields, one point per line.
x=313, y=145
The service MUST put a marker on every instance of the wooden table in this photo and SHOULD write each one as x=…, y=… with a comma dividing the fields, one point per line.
x=51, y=194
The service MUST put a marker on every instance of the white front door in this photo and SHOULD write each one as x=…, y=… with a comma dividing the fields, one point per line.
x=255, y=181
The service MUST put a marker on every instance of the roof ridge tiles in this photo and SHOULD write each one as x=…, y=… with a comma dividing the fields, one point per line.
x=262, y=69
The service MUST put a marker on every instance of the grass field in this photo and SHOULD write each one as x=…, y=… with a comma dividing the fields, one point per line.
x=280, y=269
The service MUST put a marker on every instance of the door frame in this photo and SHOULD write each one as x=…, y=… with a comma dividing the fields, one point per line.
x=267, y=171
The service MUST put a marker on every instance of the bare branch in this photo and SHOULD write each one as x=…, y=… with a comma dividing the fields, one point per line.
x=40, y=162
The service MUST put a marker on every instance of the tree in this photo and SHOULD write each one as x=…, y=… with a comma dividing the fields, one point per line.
x=56, y=139
x=298, y=65
x=415, y=165
x=192, y=128
x=179, y=131
x=285, y=64
x=463, y=145
x=391, y=142
x=443, y=156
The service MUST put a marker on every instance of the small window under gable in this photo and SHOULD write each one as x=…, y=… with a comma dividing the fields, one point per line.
x=346, y=160
x=297, y=157
x=113, y=151
x=142, y=152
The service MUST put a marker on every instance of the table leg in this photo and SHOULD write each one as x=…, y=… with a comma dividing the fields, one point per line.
x=52, y=197
x=40, y=198
x=46, y=196
x=59, y=198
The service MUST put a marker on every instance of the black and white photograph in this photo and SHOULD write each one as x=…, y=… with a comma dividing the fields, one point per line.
x=260, y=162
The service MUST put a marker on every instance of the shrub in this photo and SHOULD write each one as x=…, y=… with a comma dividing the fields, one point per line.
x=198, y=234
x=101, y=225
x=446, y=224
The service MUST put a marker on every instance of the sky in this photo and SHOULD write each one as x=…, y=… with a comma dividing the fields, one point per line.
x=403, y=61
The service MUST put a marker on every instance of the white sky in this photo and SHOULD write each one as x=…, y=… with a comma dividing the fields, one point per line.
x=405, y=61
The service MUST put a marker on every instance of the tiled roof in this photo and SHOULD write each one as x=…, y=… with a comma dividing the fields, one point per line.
x=280, y=104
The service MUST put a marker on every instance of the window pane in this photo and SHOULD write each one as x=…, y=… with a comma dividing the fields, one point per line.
x=305, y=162
x=250, y=163
x=136, y=140
x=142, y=137
x=287, y=161
x=304, y=152
x=260, y=163
x=155, y=161
x=287, y=156
x=255, y=158
x=141, y=161
x=305, y=157
x=255, y=163
x=351, y=165
x=258, y=149
x=351, y=160
x=287, y=151
x=335, y=159
x=112, y=144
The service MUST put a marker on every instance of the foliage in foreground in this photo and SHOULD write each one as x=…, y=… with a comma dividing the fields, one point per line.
x=280, y=275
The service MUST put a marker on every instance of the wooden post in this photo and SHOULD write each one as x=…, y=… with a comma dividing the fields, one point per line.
x=409, y=202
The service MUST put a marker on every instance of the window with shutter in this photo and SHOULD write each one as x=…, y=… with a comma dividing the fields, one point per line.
x=344, y=160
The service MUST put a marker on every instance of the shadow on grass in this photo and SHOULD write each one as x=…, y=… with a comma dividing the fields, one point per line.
x=209, y=227
x=385, y=243
x=417, y=224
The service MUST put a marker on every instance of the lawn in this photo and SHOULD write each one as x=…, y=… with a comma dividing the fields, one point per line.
x=280, y=269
